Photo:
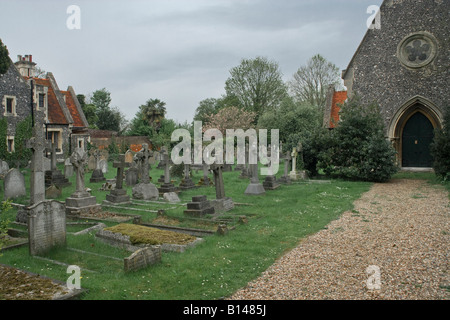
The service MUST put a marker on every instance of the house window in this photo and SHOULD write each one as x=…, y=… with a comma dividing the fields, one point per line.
x=9, y=102
x=10, y=144
x=41, y=101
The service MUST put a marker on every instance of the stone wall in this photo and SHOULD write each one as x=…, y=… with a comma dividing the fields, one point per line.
x=12, y=84
x=142, y=258
x=377, y=72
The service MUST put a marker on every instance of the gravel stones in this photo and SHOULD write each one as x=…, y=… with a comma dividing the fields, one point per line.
x=402, y=227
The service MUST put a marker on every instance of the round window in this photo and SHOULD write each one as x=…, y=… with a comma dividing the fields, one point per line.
x=417, y=50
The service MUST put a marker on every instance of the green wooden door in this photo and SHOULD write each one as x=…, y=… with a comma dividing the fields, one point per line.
x=417, y=136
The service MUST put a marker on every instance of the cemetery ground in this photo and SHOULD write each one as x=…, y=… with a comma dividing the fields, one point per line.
x=215, y=268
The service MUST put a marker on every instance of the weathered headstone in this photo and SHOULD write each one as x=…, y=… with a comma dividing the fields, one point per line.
x=255, y=187
x=186, y=182
x=53, y=192
x=55, y=176
x=131, y=176
x=46, y=226
x=80, y=201
x=68, y=168
x=103, y=165
x=14, y=184
x=205, y=180
x=129, y=156
x=199, y=207
x=171, y=197
x=285, y=179
x=4, y=167
x=145, y=190
x=119, y=195
x=167, y=186
x=221, y=203
x=97, y=174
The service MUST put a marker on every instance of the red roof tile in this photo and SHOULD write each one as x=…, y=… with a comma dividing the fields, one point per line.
x=77, y=121
x=55, y=112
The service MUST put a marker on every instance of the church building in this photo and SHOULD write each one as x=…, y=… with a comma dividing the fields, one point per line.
x=403, y=64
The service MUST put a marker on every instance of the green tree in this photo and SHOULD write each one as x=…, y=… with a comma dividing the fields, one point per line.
x=22, y=154
x=361, y=150
x=440, y=148
x=89, y=110
x=257, y=85
x=106, y=117
x=5, y=61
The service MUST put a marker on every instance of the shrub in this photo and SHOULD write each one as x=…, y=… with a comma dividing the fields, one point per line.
x=358, y=149
x=440, y=149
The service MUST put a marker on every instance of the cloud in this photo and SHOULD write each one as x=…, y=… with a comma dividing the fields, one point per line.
x=179, y=51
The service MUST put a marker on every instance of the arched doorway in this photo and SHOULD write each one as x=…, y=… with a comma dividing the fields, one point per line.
x=417, y=136
x=414, y=122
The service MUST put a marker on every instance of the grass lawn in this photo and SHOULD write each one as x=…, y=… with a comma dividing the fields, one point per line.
x=215, y=268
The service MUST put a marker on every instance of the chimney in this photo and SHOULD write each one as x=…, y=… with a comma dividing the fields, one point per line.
x=25, y=65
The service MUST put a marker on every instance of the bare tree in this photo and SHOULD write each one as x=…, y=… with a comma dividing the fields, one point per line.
x=311, y=82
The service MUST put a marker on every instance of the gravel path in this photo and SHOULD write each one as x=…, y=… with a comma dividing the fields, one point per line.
x=400, y=228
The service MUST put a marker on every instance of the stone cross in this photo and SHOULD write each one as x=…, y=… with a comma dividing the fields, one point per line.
x=79, y=160
x=218, y=180
x=287, y=159
x=38, y=144
x=294, y=155
x=97, y=154
x=53, y=157
x=121, y=164
x=166, y=167
x=144, y=155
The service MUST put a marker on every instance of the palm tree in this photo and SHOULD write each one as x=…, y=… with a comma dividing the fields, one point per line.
x=153, y=111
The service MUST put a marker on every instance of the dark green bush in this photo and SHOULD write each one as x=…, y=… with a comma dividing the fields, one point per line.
x=358, y=148
x=440, y=149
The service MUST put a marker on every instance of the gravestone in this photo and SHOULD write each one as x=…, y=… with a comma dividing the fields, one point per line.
x=221, y=203
x=199, y=207
x=167, y=186
x=132, y=176
x=4, y=167
x=68, y=168
x=14, y=184
x=186, y=182
x=80, y=201
x=205, y=180
x=103, y=165
x=55, y=176
x=129, y=156
x=145, y=190
x=119, y=195
x=97, y=174
x=255, y=187
x=53, y=192
x=92, y=162
x=285, y=179
x=171, y=197
x=270, y=183
x=46, y=226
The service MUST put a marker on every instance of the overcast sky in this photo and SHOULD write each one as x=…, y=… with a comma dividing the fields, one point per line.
x=178, y=51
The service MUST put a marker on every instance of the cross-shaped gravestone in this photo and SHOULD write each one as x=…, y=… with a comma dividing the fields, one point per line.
x=294, y=155
x=119, y=195
x=38, y=144
x=121, y=164
x=166, y=168
x=144, y=155
x=218, y=180
x=53, y=157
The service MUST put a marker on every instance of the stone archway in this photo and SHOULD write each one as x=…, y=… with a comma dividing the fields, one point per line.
x=411, y=131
